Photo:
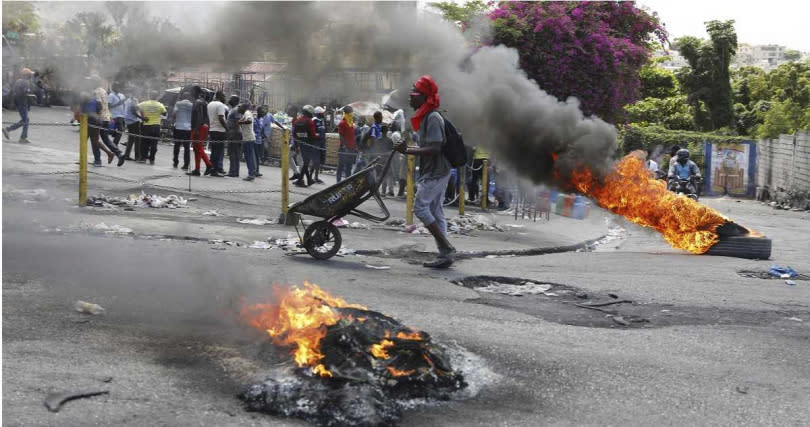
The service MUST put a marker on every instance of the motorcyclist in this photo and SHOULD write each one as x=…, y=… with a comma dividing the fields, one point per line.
x=682, y=168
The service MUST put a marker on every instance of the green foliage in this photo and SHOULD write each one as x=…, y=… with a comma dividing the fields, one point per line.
x=657, y=82
x=792, y=55
x=20, y=17
x=460, y=14
x=672, y=112
x=707, y=79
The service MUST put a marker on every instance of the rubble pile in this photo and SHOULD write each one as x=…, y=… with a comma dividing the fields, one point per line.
x=142, y=200
x=375, y=366
x=457, y=224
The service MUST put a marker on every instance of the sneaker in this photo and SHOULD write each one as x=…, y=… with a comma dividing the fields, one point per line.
x=208, y=170
x=195, y=172
x=140, y=161
x=97, y=164
x=174, y=165
x=249, y=178
x=121, y=160
x=318, y=181
x=259, y=175
x=185, y=167
x=5, y=133
x=299, y=183
x=440, y=261
x=232, y=176
x=129, y=158
x=152, y=162
x=216, y=174
x=24, y=141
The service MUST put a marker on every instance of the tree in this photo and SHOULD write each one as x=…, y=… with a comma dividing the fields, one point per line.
x=657, y=82
x=590, y=50
x=93, y=35
x=20, y=17
x=671, y=112
x=792, y=55
x=707, y=79
x=461, y=14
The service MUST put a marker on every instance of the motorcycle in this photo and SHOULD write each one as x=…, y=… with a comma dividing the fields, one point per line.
x=687, y=187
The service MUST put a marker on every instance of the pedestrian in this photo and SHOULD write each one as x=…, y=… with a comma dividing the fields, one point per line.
x=90, y=106
x=20, y=91
x=479, y=155
x=650, y=164
x=361, y=138
x=384, y=147
x=268, y=122
x=182, y=128
x=249, y=140
x=199, y=132
x=150, y=112
x=106, y=117
x=258, y=132
x=347, y=152
x=116, y=101
x=133, y=123
x=303, y=129
x=319, y=143
x=434, y=169
x=234, y=136
x=217, y=132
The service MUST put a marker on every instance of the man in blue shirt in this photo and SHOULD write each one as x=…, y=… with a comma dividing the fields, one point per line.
x=20, y=90
x=258, y=131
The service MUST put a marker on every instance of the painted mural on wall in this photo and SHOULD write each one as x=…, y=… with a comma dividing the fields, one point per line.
x=730, y=169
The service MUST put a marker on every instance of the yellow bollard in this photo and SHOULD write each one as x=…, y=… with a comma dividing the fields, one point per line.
x=461, y=182
x=83, y=160
x=409, y=190
x=484, y=184
x=285, y=175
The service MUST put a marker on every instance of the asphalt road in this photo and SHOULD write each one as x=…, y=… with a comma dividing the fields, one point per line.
x=170, y=352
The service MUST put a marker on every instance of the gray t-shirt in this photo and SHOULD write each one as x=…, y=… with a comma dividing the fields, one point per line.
x=182, y=114
x=431, y=132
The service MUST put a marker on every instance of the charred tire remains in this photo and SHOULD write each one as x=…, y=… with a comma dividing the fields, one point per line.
x=569, y=305
x=322, y=240
x=742, y=247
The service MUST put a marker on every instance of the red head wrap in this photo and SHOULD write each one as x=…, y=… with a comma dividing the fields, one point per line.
x=426, y=86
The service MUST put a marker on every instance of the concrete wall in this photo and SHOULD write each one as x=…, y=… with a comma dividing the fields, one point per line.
x=784, y=163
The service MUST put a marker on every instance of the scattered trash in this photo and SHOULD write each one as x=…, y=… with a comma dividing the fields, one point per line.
x=620, y=320
x=790, y=282
x=110, y=229
x=255, y=221
x=378, y=267
x=795, y=319
x=466, y=223
x=224, y=242
x=258, y=244
x=107, y=379
x=743, y=389
x=782, y=272
x=143, y=200
x=339, y=223
x=212, y=213
x=396, y=222
x=88, y=307
x=359, y=225
x=54, y=401
x=614, y=296
x=581, y=295
x=346, y=251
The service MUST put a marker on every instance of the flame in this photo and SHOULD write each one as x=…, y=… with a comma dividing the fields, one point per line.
x=397, y=373
x=630, y=191
x=299, y=319
x=413, y=336
x=379, y=350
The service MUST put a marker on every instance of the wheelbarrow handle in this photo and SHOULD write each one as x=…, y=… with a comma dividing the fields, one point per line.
x=368, y=216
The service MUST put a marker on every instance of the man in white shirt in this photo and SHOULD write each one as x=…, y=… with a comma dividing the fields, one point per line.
x=249, y=139
x=217, y=132
x=116, y=100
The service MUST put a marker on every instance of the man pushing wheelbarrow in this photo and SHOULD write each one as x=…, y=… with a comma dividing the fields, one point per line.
x=439, y=149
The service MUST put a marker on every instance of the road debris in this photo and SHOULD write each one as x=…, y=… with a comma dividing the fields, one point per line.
x=88, y=308
x=742, y=389
x=54, y=401
x=378, y=267
x=790, y=283
x=109, y=229
x=142, y=200
x=212, y=213
x=255, y=221
x=795, y=319
x=258, y=244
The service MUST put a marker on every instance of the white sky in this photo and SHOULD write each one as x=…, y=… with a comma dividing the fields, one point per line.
x=782, y=22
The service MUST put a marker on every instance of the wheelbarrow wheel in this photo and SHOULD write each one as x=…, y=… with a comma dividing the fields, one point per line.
x=322, y=240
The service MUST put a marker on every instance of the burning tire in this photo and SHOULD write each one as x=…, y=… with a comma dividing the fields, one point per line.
x=322, y=240
x=742, y=247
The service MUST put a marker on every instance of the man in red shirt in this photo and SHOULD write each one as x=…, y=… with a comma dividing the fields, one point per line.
x=347, y=153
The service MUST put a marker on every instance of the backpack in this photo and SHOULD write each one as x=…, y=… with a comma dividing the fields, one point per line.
x=453, y=149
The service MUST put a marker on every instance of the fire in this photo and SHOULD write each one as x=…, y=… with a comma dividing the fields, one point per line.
x=630, y=191
x=413, y=336
x=397, y=373
x=299, y=319
x=379, y=349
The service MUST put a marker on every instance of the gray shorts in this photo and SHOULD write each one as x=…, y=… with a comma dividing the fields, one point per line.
x=427, y=205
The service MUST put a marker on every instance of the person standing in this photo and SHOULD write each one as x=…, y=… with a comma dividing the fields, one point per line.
x=434, y=169
x=199, y=132
x=234, y=136
x=217, y=132
x=479, y=155
x=319, y=143
x=150, y=112
x=268, y=122
x=249, y=140
x=20, y=91
x=133, y=122
x=182, y=128
x=90, y=106
x=105, y=116
x=116, y=101
x=305, y=135
x=347, y=152
x=258, y=133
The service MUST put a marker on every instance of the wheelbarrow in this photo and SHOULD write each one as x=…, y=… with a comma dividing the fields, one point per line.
x=322, y=239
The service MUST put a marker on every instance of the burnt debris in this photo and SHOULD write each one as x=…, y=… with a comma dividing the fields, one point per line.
x=376, y=364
